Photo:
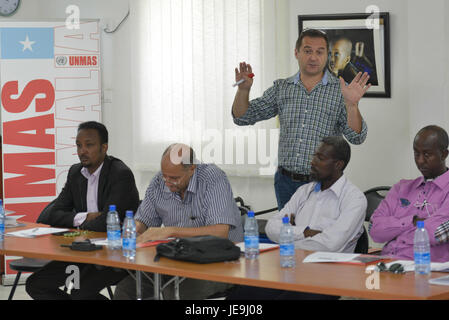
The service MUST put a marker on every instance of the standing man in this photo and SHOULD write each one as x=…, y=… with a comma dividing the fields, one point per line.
x=425, y=198
x=92, y=185
x=311, y=105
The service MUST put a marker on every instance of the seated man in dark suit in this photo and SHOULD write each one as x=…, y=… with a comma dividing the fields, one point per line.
x=92, y=185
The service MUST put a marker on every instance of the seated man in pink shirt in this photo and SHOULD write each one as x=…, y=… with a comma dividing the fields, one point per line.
x=425, y=198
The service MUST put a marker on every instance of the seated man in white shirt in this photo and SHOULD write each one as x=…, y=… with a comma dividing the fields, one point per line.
x=327, y=213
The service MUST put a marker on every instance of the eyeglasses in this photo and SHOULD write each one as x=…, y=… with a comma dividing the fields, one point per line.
x=174, y=181
x=394, y=268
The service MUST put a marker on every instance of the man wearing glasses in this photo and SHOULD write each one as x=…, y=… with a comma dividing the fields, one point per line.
x=423, y=199
x=188, y=199
x=311, y=105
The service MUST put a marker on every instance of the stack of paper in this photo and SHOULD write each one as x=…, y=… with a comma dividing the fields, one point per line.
x=11, y=221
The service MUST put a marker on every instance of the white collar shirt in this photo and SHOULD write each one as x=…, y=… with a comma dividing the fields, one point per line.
x=338, y=212
x=91, y=195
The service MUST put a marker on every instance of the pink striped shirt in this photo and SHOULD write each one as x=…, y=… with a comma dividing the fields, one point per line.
x=92, y=195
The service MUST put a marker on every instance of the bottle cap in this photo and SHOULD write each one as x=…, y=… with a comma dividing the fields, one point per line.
x=285, y=220
x=420, y=224
x=112, y=207
x=251, y=214
x=129, y=214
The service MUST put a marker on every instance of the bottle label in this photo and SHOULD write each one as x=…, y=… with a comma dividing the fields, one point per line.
x=2, y=228
x=422, y=258
x=113, y=235
x=252, y=242
x=129, y=243
x=287, y=249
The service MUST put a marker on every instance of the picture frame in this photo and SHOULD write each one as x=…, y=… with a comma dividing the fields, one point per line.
x=357, y=42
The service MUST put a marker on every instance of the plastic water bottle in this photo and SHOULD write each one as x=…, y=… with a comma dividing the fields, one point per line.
x=2, y=222
x=113, y=228
x=129, y=236
x=421, y=249
x=251, y=237
x=287, y=245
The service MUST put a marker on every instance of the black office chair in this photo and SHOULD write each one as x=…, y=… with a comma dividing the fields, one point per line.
x=374, y=196
x=32, y=265
x=244, y=210
x=362, y=243
x=29, y=264
x=24, y=265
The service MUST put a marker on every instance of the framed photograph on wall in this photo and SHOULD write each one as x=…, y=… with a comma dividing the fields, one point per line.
x=357, y=42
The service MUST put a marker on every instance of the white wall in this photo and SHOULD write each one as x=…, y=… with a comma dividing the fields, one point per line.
x=419, y=33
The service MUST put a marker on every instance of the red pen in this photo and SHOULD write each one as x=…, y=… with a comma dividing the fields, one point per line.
x=251, y=75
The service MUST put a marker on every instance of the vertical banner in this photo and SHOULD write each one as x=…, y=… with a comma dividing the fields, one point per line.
x=50, y=83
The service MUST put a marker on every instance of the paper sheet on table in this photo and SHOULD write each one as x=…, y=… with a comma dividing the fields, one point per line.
x=100, y=241
x=440, y=266
x=441, y=281
x=11, y=221
x=321, y=256
x=262, y=246
x=34, y=232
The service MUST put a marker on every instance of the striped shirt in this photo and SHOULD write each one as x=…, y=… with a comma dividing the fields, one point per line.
x=305, y=118
x=442, y=232
x=207, y=201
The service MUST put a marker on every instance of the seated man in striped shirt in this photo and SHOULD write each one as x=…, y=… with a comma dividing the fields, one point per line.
x=189, y=200
x=425, y=198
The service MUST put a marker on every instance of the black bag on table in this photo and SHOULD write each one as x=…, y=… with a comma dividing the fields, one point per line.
x=199, y=249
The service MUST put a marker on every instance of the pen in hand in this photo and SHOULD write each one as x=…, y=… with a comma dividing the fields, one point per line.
x=251, y=75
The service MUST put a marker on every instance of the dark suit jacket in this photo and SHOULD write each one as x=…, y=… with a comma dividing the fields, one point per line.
x=116, y=186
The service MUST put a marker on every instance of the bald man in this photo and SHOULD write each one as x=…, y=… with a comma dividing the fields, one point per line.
x=425, y=198
x=340, y=56
x=188, y=199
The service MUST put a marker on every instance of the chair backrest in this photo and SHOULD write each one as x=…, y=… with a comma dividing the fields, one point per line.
x=244, y=210
x=374, y=196
x=242, y=207
x=362, y=243
x=45, y=214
